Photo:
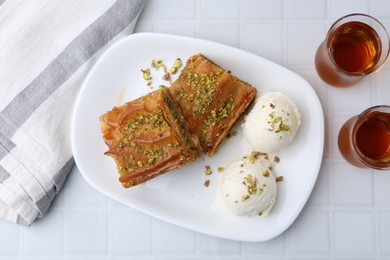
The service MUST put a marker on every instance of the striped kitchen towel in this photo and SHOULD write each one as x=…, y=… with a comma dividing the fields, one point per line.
x=47, y=48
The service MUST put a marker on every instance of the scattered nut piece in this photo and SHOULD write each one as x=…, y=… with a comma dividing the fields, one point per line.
x=208, y=170
x=146, y=74
x=279, y=179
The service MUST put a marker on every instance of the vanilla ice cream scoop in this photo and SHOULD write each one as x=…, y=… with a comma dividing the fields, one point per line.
x=272, y=123
x=246, y=188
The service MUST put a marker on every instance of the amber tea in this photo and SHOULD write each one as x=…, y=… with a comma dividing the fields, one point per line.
x=355, y=46
x=364, y=140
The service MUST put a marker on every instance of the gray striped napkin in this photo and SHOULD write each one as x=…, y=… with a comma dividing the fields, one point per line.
x=47, y=48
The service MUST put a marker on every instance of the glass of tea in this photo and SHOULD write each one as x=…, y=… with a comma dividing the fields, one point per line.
x=364, y=140
x=356, y=45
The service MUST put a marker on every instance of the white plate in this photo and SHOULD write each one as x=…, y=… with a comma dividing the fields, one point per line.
x=179, y=197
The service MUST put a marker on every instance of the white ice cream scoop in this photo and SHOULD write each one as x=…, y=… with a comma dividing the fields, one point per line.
x=272, y=123
x=247, y=188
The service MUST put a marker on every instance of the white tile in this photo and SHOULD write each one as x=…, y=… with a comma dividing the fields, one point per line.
x=86, y=231
x=209, y=245
x=224, y=33
x=178, y=29
x=303, y=41
x=44, y=237
x=175, y=9
x=9, y=238
x=261, y=258
x=41, y=257
x=354, y=233
x=310, y=233
x=383, y=184
x=306, y=9
x=262, y=9
x=320, y=194
x=341, y=97
x=211, y=9
x=380, y=9
x=382, y=90
x=352, y=186
x=59, y=199
x=309, y=258
x=318, y=85
x=173, y=240
x=276, y=246
x=147, y=12
x=336, y=124
x=341, y=8
x=384, y=232
x=131, y=232
x=360, y=258
x=143, y=28
x=86, y=195
x=265, y=40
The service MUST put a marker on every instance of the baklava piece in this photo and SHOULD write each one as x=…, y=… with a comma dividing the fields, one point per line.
x=147, y=137
x=211, y=100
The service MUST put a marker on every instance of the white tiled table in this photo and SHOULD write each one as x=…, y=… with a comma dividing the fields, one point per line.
x=348, y=213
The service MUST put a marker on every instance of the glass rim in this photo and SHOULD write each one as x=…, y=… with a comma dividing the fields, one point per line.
x=385, y=54
x=362, y=158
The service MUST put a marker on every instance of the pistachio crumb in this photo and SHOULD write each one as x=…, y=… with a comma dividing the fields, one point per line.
x=244, y=197
x=206, y=183
x=146, y=74
x=279, y=179
x=220, y=169
x=208, y=170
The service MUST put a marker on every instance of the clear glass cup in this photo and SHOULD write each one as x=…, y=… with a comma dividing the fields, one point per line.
x=364, y=140
x=356, y=45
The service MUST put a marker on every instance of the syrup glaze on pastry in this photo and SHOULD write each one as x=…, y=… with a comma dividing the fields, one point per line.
x=147, y=137
x=211, y=100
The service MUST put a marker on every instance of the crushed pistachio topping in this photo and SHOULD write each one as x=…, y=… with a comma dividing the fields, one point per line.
x=227, y=195
x=133, y=125
x=220, y=169
x=156, y=63
x=279, y=179
x=277, y=124
x=265, y=173
x=206, y=183
x=176, y=65
x=146, y=74
x=255, y=155
x=166, y=76
x=153, y=155
x=216, y=116
x=244, y=197
x=276, y=159
x=208, y=170
x=204, y=85
x=251, y=183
